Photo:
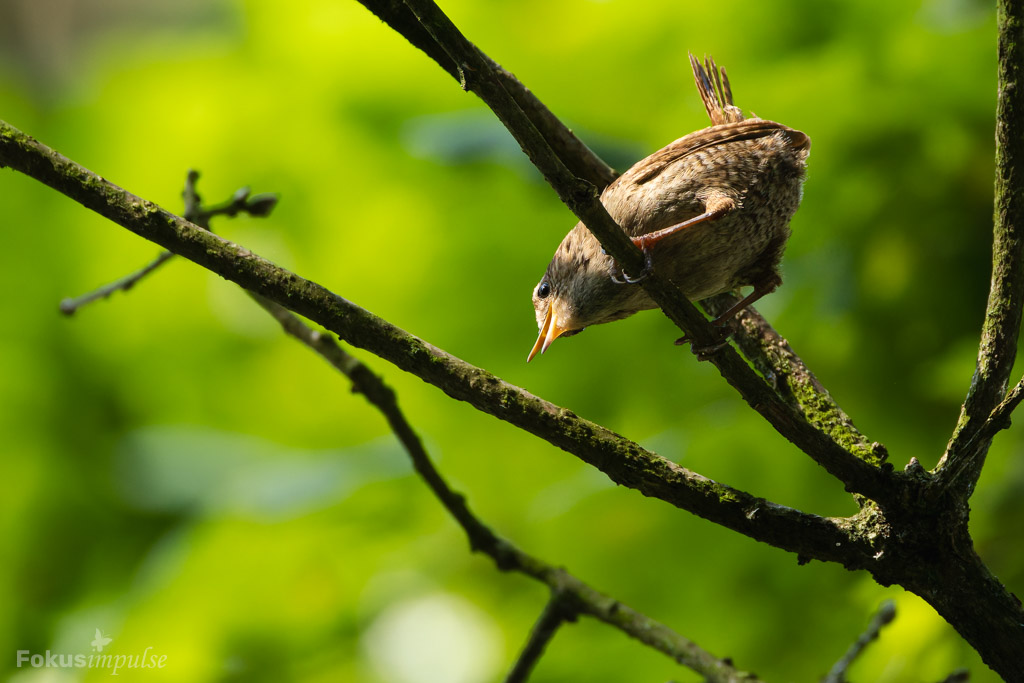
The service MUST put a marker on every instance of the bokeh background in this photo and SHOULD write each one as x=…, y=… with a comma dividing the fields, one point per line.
x=181, y=476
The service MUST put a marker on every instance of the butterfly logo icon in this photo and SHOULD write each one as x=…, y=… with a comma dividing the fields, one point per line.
x=100, y=641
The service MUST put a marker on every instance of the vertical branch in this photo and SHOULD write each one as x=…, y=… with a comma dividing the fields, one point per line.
x=998, y=347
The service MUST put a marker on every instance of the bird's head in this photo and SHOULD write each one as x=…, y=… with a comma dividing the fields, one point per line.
x=577, y=291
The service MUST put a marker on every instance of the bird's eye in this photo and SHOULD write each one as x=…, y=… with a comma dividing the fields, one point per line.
x=544, y=290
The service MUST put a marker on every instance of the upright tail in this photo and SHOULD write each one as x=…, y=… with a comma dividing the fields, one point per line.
x=713, y=86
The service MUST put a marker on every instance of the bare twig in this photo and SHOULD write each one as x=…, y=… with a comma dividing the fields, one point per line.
x=556, y=612
x=998, y=347
x=71, y=305
x=242, y=201
x=885, y=614
x=569, y=596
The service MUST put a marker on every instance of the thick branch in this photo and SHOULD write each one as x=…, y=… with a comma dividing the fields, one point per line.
x=858, y=475
x=622, y=460
x=999, y=333
x=570, y=596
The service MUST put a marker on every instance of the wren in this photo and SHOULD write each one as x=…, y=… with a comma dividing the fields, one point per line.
x=710, y=211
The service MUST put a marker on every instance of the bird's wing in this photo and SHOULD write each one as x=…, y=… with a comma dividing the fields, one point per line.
x=652, y=166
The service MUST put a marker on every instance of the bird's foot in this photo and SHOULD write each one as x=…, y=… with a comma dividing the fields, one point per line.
x=628, y=279
x=706, y=351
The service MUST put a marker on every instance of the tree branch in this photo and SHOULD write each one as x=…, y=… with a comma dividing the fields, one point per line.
x=885, y=614
x=570, y=596
x=624, y=461
x=773, y=357
x=70, y=306
x=581, y=197
x=556, y=612
x=769, y=353
x=241, y=202
x=998, y=347
x=571, y=150
x=954, y=473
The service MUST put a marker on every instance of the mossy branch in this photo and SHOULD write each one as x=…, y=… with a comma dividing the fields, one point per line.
x=624, y=461
x=965, y=454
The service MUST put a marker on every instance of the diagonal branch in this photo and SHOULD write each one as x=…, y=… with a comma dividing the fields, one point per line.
x=761, y=349
x=885, y=614
x=756, y=338
x=70, y=305
x=774, y=358
x=570, y=596
x=556, y=612
x=955, y=472
x=998, y=347
x=574, y=154
x=624, y=461
x=857, y=474
x=259, y=205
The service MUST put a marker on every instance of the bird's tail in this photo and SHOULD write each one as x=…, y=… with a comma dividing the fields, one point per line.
x=713, y=86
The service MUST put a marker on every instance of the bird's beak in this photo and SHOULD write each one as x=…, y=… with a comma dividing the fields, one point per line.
x=549, y=332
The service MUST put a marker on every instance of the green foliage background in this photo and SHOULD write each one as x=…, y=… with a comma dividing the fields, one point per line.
x=181, y=476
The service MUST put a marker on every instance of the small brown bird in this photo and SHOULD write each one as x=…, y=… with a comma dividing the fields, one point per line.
x=710, y=211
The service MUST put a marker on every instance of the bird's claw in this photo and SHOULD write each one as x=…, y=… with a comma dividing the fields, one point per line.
x=628, y=279
x=705, y=352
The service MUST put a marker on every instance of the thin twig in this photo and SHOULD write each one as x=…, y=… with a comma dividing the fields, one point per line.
x=556, y=612
x=241, y=202
x=70, y=305
x=998, y=347
x=885, y=614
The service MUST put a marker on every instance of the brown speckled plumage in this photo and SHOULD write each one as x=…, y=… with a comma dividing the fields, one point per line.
x=743, y=178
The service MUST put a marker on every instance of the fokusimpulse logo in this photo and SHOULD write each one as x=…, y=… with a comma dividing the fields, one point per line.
x=97, y=659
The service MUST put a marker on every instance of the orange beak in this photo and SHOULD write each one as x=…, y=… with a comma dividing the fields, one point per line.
x=549, y=332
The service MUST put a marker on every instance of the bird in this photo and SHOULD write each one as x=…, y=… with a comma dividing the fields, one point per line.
x=710, y=211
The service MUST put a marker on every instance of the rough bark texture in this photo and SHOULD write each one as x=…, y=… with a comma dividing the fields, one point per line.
x=997, y=351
